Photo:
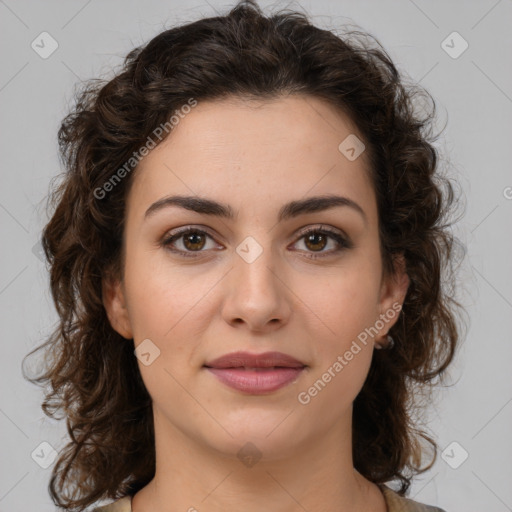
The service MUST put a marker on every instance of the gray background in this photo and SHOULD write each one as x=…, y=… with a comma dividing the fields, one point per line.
x=474, y=95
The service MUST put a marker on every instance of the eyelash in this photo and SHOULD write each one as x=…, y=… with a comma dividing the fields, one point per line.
x=342, y=242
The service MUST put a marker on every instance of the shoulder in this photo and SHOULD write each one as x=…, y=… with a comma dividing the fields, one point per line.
x=123, y=504
x=397, y=503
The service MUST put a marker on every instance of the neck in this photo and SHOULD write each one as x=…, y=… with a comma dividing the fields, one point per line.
x=317, y=475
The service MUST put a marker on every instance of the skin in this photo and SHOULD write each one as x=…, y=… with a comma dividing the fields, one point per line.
x=254, y=156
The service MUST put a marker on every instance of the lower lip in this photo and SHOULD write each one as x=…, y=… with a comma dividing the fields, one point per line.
x=256, y=382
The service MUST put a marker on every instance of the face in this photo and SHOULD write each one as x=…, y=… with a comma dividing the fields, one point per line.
x=306, y=282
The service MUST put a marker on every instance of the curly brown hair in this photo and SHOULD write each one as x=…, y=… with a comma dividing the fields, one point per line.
x=93, y=377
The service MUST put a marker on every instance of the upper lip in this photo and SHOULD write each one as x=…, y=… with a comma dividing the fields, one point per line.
x=248, y=360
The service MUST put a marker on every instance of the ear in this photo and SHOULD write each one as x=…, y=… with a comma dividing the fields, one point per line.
x=115, y=305
x=393, y=291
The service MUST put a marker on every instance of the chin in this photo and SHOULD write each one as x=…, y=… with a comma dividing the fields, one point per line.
x=270, y=435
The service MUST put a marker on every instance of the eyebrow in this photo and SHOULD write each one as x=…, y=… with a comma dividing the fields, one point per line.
x=289, y=210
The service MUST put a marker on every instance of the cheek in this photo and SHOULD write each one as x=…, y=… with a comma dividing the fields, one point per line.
x=346, y=305
x=345, y=302
x=169, y=306
x=158, y=297
x=342, y=349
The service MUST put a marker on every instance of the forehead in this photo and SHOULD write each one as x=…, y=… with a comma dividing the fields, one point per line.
x=255, y=150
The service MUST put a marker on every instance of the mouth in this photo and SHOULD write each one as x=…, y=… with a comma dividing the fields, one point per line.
x=256, y=374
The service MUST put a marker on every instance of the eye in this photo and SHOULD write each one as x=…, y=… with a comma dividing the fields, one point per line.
x=189, y=240
x=316, y=239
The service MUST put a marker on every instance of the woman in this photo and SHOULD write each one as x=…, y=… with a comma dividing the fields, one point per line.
x=252, y=205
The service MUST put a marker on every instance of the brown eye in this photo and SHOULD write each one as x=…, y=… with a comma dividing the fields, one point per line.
x=193, y=241
x=188, y=241
x=316, y=241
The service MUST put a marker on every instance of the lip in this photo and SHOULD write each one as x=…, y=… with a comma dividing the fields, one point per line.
x=248, y=360
x=256, y=374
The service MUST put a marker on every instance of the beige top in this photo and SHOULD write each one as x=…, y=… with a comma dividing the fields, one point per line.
x=394, y=503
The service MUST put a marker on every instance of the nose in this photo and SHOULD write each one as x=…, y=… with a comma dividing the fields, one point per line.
x=257, y=297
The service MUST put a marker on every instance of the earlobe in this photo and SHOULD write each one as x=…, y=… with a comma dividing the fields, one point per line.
x=115, y=306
